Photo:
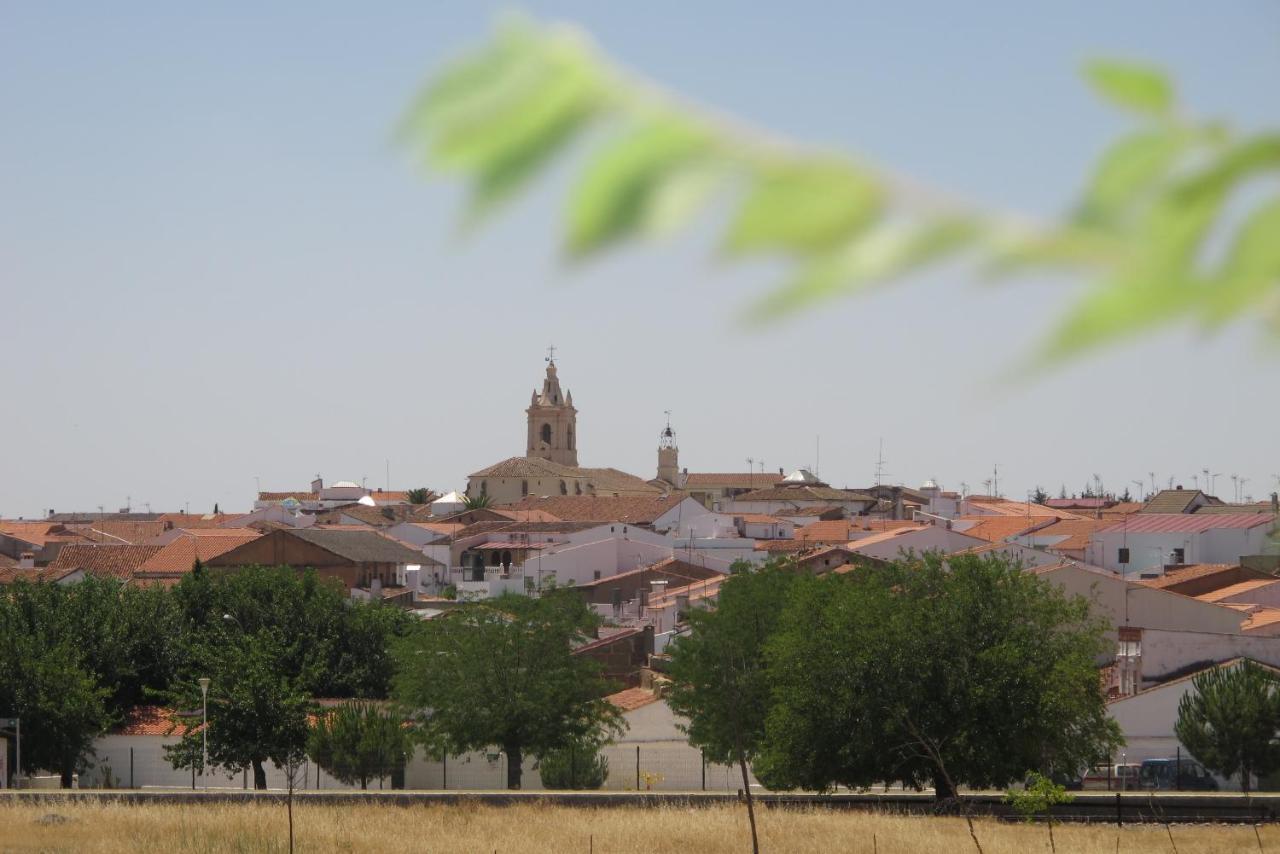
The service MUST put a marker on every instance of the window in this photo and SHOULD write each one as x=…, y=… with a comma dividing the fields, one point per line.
x=1179, y=556
x=564, y=488
x=577, y=488
x=569, y=438
x=524, y=487
x=596, y=575
x=546, y=434
x=484, y=487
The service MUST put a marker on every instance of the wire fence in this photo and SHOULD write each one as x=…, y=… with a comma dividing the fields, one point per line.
x=658, y=766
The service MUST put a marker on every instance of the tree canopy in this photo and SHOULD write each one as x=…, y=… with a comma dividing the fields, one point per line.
x=1230, y=720
x=502, y=672
x=358, y=742
x=78, y=656
x=963, y=670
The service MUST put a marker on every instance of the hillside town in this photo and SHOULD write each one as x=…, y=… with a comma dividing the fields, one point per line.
x=1186, y=581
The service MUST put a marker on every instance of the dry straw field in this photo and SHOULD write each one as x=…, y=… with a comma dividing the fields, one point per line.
x=58, y=827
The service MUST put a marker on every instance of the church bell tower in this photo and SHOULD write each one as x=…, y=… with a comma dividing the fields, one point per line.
x=553, y=422
x=668, y=455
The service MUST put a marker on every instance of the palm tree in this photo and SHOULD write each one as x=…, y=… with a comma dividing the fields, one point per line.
x=476, y=502
x=420, y=495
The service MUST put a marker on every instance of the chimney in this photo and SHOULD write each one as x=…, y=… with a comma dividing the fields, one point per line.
x=1275, y=502
x=27, y=560
x=780, y=471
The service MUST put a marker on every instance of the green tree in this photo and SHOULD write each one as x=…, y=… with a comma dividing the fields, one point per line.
x=357, y=742
x=62, y=708
x=1038, y=797
x=1165, y=192
x=719, y=674
x=1040, y=496
x=419, y=495
x=1230, y=721
x=333, y=647
x=114, y=643
x=257, y=707
x=503, y=672
x=962, y=670
x=476, y=502
x=577, y=766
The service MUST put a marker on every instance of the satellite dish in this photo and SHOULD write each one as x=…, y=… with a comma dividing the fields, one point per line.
x=367, y=501
x=291, y=504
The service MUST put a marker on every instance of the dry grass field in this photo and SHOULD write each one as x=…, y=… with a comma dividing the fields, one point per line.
x=59, y=827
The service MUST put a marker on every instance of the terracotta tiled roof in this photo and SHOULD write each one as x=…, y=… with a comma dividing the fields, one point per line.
x=181, y=554
x=1171, y=501
x=681, y=571
x=153, y=720
x=1240, y=588
x=120, y=533
x=104, y=561
x=1142, y=523
x=527, y=467
x=995, y=529
x=844, y=530
x=1181, y=574
x=192, y=521
x=704, y=480
x=632, y=699
x=40, y=533
x=637, y=510
x=820, y=510
x=281, y=496
x=10, y=574
x=527, y=515
x=1260, y=619
x=805, y=492
x=1005, y=507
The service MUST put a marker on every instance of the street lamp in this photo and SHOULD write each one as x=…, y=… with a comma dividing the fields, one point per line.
x=204, y=729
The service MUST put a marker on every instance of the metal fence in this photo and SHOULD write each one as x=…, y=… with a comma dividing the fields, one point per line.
x=658, y=766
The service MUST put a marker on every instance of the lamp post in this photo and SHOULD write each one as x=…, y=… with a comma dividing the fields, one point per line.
x=204, y=729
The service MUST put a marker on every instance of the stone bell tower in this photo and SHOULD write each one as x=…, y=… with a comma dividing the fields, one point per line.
x=553, y=422
x=668, y=455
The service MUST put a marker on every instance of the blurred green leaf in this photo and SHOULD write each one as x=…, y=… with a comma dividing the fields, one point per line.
x=805, y=206
x=1129, y=168
x=1251, y=268
x=626, y=187
x=1071, y=247
x=501, y=122
x=1135, y=87
x=890, y=251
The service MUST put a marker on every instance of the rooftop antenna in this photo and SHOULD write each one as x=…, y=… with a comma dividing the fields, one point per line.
x=257, y=483
x=1195, y=481
x=1243, y=498
x=388, y=475
x=817, y=455
x=880, y=472
x=995, y=480
x=751, y=472
x=1152, y=475
x=551, y=353
x=1213, y=482
x=964, y=489
x=1235, y=487
x=102, y=513
x=147, y=504
x=1138, y=483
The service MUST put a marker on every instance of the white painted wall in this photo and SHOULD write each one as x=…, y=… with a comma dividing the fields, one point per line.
x=1150, y=551
x=919, y=540
x=1129, y=603
x=1167, y=651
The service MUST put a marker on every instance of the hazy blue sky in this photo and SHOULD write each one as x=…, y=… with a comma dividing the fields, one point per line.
x=214, y=266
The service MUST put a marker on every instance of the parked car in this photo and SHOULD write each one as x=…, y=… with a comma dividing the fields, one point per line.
x=1185, y=774
x=1119, y=777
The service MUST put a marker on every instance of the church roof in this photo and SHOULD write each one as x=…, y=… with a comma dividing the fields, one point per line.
x=603, y=480
x=639, y=510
